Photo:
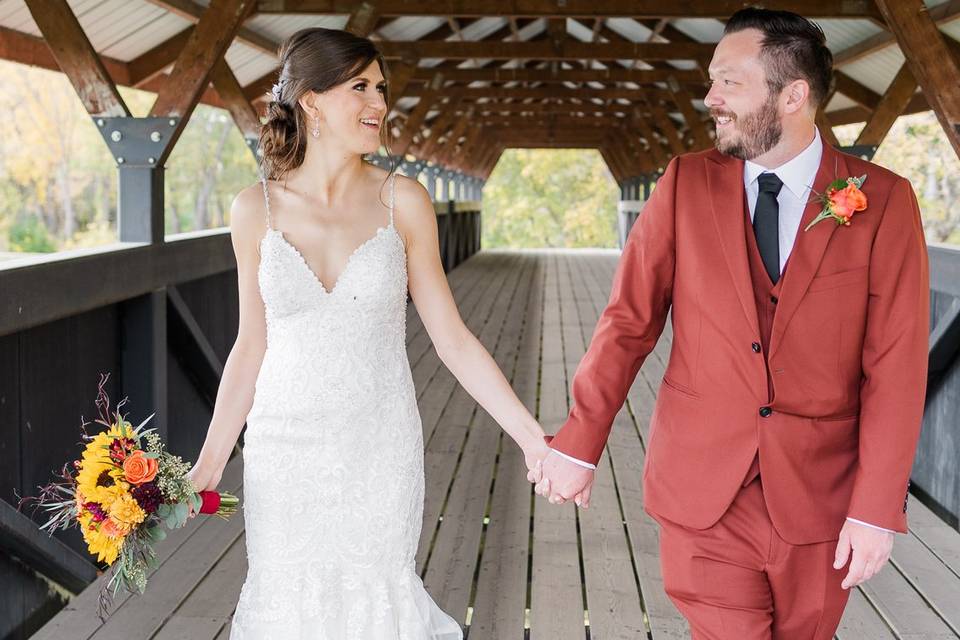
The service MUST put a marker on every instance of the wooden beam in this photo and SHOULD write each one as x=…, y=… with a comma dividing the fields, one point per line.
x=231, y=93
x=450, y=145
x=933, y=65
x=555, y=92
x=692, y=117
x=667, y=127
x=659, y=154
x=637, y=9
x=398, y=78
x=193, y=11
x=77, y=58
x=639, y=76
x=855, y=91
x=612, y=161
x=942, y=14
x=363, y=19
x=437, y=128
x=151, y=64
x=412, y=126
x=462, y=156
x=24, y=48
x=191, y=72
x=891, y=106
x=568, y=49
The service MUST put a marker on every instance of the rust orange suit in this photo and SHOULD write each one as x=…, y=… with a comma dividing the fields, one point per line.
x=831, y=410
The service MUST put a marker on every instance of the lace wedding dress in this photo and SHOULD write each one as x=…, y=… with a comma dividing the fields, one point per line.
x=333, y=456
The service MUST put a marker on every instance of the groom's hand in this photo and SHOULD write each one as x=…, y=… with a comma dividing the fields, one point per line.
x=871, y=549
x=562, y=480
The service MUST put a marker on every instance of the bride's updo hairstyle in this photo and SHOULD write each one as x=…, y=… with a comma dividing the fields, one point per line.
x=314, y=59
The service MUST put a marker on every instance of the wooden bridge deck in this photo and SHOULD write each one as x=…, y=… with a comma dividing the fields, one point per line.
x=501, y=562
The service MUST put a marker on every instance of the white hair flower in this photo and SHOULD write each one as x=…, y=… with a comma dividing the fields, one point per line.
x=275, y=91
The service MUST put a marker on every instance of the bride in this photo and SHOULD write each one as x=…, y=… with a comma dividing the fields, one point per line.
x=327, y=247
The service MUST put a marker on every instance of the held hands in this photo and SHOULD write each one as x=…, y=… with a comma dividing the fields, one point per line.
x=871, y=549
x=561, y=480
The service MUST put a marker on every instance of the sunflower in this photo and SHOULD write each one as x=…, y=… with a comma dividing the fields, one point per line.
x=97, y=470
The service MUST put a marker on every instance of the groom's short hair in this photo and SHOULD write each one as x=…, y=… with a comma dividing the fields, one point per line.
x=793, y=48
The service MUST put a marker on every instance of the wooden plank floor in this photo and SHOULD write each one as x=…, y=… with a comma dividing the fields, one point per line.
x=505, y=565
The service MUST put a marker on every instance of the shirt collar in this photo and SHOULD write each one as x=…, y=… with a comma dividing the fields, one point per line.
x=797, y=174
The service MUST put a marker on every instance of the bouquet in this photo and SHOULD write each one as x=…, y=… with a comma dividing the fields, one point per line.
x=121, y=493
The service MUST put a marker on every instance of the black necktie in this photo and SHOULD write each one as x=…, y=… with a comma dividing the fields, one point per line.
x=766, y=225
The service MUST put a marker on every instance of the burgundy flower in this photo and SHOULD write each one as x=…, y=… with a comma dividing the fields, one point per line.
x=148, y=496
x=99, y=515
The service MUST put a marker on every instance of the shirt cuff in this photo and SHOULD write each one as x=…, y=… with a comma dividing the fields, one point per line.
x=872, y=526
x=574, y=460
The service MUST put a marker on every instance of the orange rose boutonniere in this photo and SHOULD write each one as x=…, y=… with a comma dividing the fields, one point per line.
x=842, y=199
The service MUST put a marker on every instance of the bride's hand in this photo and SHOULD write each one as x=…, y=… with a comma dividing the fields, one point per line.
x=533, y=455
x=204, y=478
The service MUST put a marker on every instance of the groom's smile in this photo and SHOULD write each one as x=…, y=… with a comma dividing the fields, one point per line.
x=743, y=105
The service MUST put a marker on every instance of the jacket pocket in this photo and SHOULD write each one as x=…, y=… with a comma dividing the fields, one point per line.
x=840, y=279
x=838, y=418
x=673, y=386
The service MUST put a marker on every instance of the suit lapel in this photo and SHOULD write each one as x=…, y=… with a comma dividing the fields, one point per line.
x=725, y=186
x=809, y=246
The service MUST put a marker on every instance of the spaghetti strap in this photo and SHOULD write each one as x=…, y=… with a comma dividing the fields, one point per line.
x=266, y=199
x=393, y=182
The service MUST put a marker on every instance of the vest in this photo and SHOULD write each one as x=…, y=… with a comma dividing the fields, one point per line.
x=765, y=295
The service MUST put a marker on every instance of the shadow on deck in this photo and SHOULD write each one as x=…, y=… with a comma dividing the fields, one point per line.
x=490, y=555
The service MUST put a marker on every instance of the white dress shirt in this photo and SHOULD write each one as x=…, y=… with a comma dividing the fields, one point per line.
x=797, y=175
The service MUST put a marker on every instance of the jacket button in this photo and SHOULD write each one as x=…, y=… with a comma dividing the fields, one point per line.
x=765, y=412
x=774, y=299
x=756, y=347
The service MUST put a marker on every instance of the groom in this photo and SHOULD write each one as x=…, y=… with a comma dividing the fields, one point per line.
x=786, y=423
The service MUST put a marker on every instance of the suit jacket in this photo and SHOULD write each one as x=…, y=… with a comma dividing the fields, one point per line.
x=847, y=356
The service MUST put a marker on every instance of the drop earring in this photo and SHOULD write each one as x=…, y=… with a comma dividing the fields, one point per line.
x=315, y=132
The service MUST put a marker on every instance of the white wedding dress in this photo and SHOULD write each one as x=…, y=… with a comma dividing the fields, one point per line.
x=333, y=456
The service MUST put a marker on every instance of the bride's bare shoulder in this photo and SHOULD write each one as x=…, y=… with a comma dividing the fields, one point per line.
x=248, y=210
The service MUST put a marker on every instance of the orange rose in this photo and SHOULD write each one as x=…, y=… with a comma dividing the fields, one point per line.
x=845, y=202
x=139, y=469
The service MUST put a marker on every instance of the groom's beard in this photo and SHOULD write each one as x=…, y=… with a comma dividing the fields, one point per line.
x=756, y=133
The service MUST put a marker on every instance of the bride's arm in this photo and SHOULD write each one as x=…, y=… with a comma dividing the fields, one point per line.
x=235, y=394
x=457, y=347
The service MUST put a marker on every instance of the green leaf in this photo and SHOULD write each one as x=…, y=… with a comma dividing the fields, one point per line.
x=839, y=183
x=182, y=510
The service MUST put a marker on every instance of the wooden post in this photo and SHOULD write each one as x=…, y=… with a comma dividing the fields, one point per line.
x=936, y=70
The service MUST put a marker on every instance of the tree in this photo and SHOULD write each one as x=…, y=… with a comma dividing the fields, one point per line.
x=550, y=198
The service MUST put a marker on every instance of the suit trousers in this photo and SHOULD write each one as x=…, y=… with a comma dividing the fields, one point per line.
x=739, y=580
